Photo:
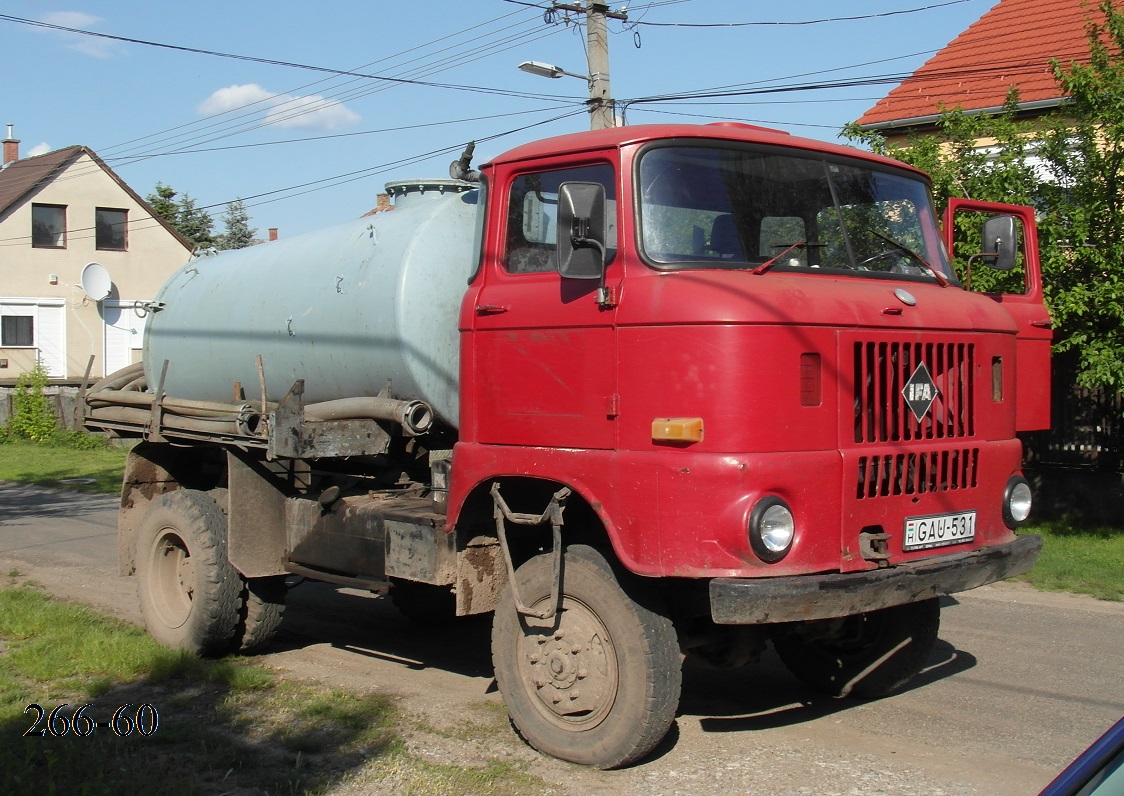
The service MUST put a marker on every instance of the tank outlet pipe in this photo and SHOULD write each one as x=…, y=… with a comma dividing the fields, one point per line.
x=140, y=417
x=179, y=406
x=415, y=417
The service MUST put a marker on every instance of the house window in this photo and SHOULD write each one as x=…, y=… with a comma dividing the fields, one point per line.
x=17, y=331
x=37, y=324
x=110, y=228
x=48, y=226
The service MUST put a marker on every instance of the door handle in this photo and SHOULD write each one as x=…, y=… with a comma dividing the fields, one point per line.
x=491, y=309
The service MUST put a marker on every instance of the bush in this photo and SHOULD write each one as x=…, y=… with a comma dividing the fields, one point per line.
x=32, y=416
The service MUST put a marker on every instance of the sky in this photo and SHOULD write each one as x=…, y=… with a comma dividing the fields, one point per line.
x=306, y=147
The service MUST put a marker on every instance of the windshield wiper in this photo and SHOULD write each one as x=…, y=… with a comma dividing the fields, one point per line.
x=765, y=266
x=942, y=280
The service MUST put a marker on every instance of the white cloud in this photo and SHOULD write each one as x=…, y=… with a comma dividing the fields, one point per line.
x=70, y=19
x=312, y=112
x=94, y=47
x=234, y=97
x=38, y=149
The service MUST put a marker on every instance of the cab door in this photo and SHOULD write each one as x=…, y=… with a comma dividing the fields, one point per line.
x=1027, y=306
x=544, y=348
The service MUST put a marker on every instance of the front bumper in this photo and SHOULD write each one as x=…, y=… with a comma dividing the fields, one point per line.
x=751, y=601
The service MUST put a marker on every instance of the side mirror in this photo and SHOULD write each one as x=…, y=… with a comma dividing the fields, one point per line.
x=581, y=230
x=1000, y=242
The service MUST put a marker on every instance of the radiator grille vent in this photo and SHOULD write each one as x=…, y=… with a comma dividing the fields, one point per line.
x=917, y=473
x=881, y=370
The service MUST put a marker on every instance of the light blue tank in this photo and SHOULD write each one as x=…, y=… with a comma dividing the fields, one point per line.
x=348, y=309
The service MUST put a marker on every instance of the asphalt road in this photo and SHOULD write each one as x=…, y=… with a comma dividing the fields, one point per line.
x=1019, y=684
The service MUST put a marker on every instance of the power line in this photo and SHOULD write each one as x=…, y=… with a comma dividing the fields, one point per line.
x=346, y=135
x=455, y=55
x=305, y=86
x=727, y=118
x=799, y=22
x=297, y=107
x=995, y=67
x=271, y=61
x=315, y=185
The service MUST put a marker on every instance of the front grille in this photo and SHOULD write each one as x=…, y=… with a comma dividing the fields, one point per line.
x=917, y=473
x=881, y=370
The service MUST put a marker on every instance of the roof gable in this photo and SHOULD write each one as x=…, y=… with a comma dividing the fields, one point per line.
x=20, y=178
x=1010, y=45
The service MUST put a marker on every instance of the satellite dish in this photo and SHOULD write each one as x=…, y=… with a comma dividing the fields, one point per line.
x=96, y=282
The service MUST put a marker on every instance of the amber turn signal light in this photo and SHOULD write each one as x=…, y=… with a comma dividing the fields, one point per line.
x=677, y=429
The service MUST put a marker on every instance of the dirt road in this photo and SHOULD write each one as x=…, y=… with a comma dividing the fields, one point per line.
x=1020, y=682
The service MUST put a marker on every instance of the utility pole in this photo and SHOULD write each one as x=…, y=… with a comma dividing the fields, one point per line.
x=601, y=105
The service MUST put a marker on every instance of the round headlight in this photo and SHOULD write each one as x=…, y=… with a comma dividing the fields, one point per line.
x=1017, y=501
x=771, y=529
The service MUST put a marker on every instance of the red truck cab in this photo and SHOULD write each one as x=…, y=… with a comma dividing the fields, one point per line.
x=776, y=297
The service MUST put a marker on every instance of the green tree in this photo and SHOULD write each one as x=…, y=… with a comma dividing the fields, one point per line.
x=163, y=201
x=195, y=223
x=1070, y=167
x=1086, y=206
x=191, y=221
x=237, y=232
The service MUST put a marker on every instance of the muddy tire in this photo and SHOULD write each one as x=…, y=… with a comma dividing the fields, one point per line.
x=190, y=594
x=869, y=655
x=263, y=605
x=599, y=683
x=263, y=601
x=423, y=603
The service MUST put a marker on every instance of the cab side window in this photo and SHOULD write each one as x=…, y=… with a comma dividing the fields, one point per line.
x=532, y=216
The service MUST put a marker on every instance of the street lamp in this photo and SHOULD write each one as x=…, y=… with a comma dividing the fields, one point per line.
x=600, y=106
x=549, y=70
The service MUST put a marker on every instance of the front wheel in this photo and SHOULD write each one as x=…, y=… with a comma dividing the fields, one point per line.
x=868, y=655
x=599, y=683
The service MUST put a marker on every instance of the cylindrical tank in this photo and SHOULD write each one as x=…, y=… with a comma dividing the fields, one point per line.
x=349, y=309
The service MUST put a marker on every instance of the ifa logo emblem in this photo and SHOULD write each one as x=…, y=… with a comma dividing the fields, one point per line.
x=920, y=392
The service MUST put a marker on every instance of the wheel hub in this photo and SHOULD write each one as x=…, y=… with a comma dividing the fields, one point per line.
x=572, y=668
x=173, y=578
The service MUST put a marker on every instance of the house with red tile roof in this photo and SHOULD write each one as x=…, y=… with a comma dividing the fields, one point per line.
x=1010, y=46
x=78, y=249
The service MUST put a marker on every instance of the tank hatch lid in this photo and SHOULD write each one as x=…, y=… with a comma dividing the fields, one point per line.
x=409, y=189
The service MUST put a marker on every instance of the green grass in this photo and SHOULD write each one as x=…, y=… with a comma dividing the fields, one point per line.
x=1082, y=559
x=225, y=726
x=51, y=464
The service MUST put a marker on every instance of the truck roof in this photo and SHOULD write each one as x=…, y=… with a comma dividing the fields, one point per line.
x=638, y=134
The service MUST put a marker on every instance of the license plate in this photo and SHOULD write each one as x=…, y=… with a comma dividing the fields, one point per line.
x=939, y=530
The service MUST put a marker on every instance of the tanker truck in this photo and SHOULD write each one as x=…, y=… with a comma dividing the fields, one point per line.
x=639, y=393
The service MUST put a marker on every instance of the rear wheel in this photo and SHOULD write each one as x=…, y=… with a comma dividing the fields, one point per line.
x=599, y=683
x=263, y=607
x=190, y=594
x=868, y=655
x=263, y=600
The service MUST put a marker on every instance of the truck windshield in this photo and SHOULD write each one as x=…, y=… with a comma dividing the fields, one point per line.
x=726, y=207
